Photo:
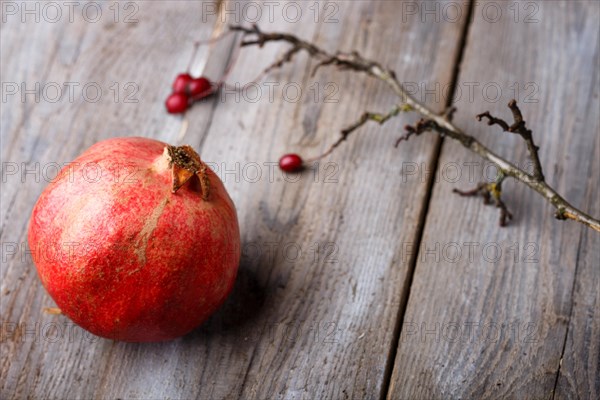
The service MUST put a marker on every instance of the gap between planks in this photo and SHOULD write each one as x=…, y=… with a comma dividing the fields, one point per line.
x=457, y=63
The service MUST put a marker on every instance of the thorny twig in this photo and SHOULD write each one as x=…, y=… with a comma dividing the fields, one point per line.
x=490, y=191
x=518, y=127
x=367, y=116
x=422, y=125
x=441, y=123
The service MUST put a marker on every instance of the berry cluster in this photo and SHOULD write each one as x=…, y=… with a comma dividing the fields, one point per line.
x=187, y=90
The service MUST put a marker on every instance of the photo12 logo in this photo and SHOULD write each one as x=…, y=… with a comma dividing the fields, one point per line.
x=470, y=172
x=50, y=332
x=90, y=172
x=471, y=252
x=282, y=333
x=71, y=92
x=473, y=92
x=290, y=252
x=491, y=12
x=252, y=12
x=290, y=92
x=60, y=11
x=467, y=332
x=269, y=171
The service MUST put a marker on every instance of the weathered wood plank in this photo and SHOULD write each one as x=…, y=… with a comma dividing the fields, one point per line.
x=319, y=324
x=579, y=376
x=46, y=356
x=491, y=321
x=331, y=323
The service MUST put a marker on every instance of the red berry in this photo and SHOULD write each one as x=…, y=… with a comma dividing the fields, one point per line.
x=199, y=88
x=290, y=163
x=181, y=82
x=176, y=103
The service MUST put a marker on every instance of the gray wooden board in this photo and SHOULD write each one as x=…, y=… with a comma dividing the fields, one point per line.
x=315, y=307
x=520, y=318
x=45, y=355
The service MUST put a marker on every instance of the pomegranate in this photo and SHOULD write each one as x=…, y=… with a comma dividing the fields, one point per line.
x=136, y=240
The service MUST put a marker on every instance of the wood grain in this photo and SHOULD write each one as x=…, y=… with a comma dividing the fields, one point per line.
x=508, y=325
x=46, y=356
x=315, y=307
x=579, y=370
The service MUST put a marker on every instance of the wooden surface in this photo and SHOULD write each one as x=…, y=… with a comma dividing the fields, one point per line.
x=497, y=325
x=333, y=299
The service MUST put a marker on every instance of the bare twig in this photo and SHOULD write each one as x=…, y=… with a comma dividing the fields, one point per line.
x=367, y=116
x=422, y=125
x=519, y=128
x=490, y=191
x=449, y=113
x=493, y=120
x=261, y=38
x=441, y=123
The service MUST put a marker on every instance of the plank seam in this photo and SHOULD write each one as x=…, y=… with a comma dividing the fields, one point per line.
x=306, y=75
x=564, y=346
x=388, y=371
x=215, y=103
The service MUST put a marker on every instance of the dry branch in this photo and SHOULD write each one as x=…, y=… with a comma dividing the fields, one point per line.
x=431, y=121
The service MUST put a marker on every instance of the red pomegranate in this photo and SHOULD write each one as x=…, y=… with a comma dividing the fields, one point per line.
x=136, y=240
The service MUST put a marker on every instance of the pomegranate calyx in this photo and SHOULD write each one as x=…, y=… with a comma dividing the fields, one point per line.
x=185, y=163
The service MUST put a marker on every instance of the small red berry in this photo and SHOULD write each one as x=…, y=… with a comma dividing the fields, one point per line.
x=290, y=163
x=199, y=88
x=176, y=103
x=181, y=82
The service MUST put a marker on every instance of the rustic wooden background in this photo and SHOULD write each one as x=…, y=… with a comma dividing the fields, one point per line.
x=365, y=278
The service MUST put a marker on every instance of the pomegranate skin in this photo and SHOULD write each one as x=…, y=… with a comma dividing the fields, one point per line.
x=122, y=255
